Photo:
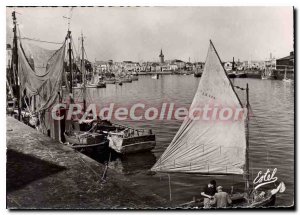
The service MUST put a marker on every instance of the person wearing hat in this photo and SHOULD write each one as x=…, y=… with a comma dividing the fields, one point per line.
x=208, y=193
x=221, y=198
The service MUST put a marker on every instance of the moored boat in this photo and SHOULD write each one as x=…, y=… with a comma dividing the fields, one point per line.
x=131, y=141
x=231, y=74
x=122, y=139
x=127, y=79
x=101, y=84
x=110, y=81
x=199, y=147
x=198, y=73
x=134, y=77
x=268, y=74
x=85, y=140
x=156, y=76
x=241, y=74
x=285, y=79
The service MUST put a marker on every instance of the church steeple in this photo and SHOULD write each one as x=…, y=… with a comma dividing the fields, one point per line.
x=161, y=57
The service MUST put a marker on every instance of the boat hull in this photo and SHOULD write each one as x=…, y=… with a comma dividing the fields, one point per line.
x=242, y=75
x=197, y=75
x=135, y=78
x=110, y=81
x=94, y=142
x=238, y=200
x=131, y=144
x=126, y=80
x=101, y=85
x=231, y=75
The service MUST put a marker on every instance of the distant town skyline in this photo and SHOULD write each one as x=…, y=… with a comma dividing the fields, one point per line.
x=139, y=33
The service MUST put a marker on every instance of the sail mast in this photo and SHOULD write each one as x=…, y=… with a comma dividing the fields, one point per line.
x=70, y=62
x=15, y=64
x=83, y=74
x=247, y=173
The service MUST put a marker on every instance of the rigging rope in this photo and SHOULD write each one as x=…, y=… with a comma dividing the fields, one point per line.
x=38, y=40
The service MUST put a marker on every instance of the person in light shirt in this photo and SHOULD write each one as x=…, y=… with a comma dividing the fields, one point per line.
x=221, y=198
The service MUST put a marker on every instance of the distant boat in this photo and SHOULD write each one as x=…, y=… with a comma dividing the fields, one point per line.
x=231, y=74
x=156, y=76
x=268, y=74
x=198, y=73
x=241, y=74
x=127, y=79
x=101, y=84
x=134, y=77
x=285, y=79
x=110, y=81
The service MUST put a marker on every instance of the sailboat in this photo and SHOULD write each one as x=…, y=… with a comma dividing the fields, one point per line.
x=213, y=147
x=285, y=79
x=83, y=140
x=156, y=76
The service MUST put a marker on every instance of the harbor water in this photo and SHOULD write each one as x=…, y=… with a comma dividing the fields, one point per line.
x=271, y=133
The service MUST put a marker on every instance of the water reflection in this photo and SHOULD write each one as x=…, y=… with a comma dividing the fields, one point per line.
x=271, y=132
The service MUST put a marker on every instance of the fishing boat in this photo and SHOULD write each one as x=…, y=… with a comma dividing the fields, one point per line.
x=241, y=74
x=231, y=74
x=268, y=74
x=119, y=81
x=131, y=140
x=81, y=139
x=126, y=79
x=156, y=76
x=110, y=81
x=123, y=139
x=198, y=73
x=285, y=79
x=101, y=84
x=134, y=77
x=215, y=147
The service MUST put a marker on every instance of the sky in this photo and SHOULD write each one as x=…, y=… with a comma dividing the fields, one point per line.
x=138, y=33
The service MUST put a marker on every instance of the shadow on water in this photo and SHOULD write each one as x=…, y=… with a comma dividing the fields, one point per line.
x=23, y=169
x=126, y=164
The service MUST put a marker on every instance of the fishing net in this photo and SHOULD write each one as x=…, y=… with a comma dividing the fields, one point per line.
x=40, y=72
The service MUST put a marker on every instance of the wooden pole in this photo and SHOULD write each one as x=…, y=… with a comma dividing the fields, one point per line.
x=170, y=190
x=247, y=139
x=83, y=74
x=15, y=64
x=70, y=62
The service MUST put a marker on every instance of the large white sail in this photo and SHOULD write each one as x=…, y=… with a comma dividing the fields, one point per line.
x=209, y=146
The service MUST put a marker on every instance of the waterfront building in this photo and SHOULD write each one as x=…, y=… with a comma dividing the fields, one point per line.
x=189, y=66
x=101, y=66
x=286, y=62
x=180, y=64
x=270, y=63
x=173, y=67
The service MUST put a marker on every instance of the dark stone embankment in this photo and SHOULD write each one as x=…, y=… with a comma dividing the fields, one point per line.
x=44, y=174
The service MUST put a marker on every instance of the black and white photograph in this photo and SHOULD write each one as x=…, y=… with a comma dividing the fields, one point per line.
x=145, y=108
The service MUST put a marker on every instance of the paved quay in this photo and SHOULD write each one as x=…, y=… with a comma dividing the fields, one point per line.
x=44, y=174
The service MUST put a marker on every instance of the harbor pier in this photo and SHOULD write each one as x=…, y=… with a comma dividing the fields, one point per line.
x=42, y=173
